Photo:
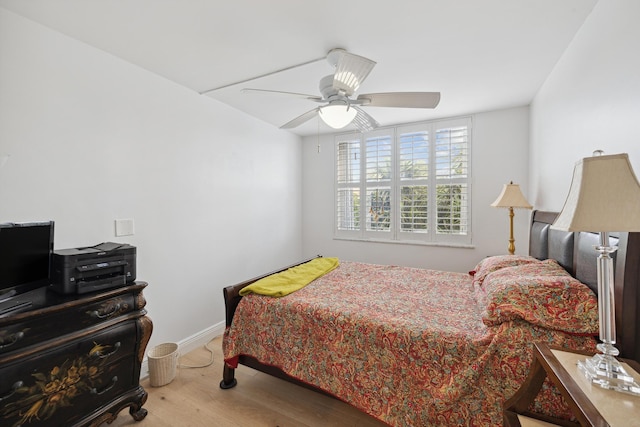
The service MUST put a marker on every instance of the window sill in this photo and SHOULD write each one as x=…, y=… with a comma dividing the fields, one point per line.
x=409, y=242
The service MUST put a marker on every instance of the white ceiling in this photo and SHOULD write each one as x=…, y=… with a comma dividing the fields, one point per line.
x=480, y=54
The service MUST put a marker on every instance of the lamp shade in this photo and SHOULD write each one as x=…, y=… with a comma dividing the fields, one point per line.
x=337, y=115
x=511, y=197
x=604, y=196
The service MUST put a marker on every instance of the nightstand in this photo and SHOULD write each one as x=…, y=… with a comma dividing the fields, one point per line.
x=590, y=404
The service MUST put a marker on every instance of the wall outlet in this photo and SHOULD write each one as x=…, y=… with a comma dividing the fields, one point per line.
x=124, y=227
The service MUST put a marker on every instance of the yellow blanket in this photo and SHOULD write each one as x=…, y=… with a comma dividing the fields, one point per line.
x=292, y=279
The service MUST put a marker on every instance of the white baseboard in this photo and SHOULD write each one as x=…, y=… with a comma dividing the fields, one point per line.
x=188, y=344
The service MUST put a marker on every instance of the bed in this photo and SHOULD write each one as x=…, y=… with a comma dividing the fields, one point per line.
x=423, y=347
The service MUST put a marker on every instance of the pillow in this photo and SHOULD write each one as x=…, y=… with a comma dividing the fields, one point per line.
x=543, y=294
x=494, y=263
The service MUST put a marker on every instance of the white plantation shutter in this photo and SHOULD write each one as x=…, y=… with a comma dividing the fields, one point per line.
x=452, y=179
x=379, y=174
x=413, y=168
x=348, y=186
x=415, y=185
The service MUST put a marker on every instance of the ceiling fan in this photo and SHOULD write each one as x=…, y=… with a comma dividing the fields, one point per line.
x=337, y=90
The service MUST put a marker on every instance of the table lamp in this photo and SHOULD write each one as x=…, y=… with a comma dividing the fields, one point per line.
x=511, y=197
x=604, y=197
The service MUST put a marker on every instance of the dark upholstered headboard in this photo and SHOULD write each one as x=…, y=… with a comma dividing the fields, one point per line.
x=575, y=252
x=546, y=243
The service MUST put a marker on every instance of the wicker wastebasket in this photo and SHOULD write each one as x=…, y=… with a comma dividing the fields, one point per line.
x=163, y=360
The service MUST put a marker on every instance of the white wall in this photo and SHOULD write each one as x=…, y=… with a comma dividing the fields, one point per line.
x=499, y=155
x=590, y=101
x=86, y=138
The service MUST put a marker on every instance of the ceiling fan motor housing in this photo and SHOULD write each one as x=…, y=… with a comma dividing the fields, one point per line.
x=327, y=90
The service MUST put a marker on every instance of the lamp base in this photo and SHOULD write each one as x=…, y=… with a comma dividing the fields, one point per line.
x=605, y=371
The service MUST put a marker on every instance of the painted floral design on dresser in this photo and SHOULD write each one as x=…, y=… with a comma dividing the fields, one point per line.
x=57, y=388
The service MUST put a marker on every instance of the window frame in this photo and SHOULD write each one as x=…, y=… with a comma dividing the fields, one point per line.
x=395, y=234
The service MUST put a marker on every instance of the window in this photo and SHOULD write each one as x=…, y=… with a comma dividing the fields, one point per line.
x=410, y=183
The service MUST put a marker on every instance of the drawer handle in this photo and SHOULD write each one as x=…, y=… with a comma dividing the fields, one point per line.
x=14, y=388
x=97, y=351
x=12, y=339
x=97, y=314
x=95, y=391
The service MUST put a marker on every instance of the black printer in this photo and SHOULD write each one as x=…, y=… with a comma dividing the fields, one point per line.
x=94, y=268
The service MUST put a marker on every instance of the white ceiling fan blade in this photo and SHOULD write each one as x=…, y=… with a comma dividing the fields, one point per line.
x=363, y=121
x=400, y=99
x=351, y=70
x=281, y=93
x=300, y=119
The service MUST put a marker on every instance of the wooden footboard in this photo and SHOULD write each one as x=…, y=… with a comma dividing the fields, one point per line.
x=232, y=298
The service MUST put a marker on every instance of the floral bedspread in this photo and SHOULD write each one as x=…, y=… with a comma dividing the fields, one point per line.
x=405, y=345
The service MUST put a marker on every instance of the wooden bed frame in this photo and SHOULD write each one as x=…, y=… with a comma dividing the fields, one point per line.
x=574, y=251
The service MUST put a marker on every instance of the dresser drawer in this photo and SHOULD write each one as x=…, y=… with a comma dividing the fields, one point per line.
x=36, y=330
x=61, y=384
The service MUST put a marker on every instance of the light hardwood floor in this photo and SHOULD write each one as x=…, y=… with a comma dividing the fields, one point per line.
x=194, y=398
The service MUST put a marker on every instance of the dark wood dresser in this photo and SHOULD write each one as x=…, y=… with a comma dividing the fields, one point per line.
x=73, y=360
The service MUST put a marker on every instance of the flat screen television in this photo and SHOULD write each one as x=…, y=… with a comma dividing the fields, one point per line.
x=25, y=257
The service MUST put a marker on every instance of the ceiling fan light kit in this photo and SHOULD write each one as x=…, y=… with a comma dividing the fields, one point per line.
x=340, y=108
x=337, y=115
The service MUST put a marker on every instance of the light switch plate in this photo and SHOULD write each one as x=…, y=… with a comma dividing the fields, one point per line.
x=124, y=227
